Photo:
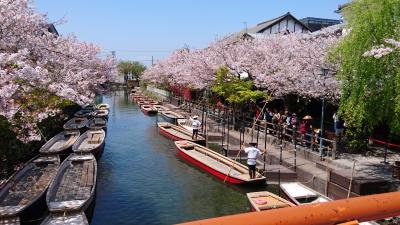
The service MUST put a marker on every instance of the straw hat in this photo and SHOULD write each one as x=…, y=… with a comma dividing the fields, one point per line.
x=317, y=130
x=308, y=117
x=195, y=117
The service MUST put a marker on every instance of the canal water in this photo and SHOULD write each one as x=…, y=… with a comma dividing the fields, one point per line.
x=141, y=180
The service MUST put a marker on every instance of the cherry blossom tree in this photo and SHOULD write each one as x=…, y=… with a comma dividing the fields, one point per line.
x=39, y=71
x=280, y=64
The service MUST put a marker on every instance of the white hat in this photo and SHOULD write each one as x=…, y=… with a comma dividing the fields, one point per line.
x=194, y=117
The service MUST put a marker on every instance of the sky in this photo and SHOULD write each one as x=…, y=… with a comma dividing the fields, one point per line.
x=142, y=29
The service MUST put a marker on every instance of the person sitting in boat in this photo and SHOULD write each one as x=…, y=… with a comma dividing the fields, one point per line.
x=252, y=154
x=195, y=125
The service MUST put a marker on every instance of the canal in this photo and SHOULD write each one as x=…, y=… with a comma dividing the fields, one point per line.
x=141, y=180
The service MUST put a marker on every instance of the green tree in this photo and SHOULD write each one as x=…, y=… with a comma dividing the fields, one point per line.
x=370, y=86
x=234, y=90
x=130, y=67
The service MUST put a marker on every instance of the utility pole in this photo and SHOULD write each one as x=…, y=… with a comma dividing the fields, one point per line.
x=245, y=26
x=152, y=60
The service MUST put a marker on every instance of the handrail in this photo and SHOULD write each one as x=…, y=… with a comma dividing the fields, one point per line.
x=362, y=209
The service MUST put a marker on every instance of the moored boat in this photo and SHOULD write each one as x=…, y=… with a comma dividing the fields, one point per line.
x=177, y=133
x=104, y=106
x=265, y=200
x=84, y=113
x=74, y=185
x=148, y=109
x=142, y=102
x=185, y=123
x=152, y=102
x=61, y=143
x=299, y=194
x=171, y=116
x=97, y=123
x=76, y=123
x=22, y=196
x=73, y=218
x=216, y=164
x=161, y=108
x=92, y=141
x=101, y=113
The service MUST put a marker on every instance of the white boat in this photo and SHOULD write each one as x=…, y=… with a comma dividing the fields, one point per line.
x=104, y=106
x=264, y=200
x=101, y=113
x=76, y=123
x=97, y=123
x=299, y=194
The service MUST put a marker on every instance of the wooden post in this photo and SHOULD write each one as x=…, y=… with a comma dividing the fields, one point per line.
x=351, y=179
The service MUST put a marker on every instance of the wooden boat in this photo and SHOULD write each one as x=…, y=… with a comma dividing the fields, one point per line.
x=74, y=218
x=185, y=123
x=151, y=102
x=265, y=200
x=23, y=193
x=92, y=141
x=141, y=102
x=171, y=116
x=97, y=123
x=161, y=108
x=148, y=109
x=299, y=194
x=216, y=164
x=84, y=113
x=101, y=113
x=75, y=123
x=61, y=143
x=103, y=106
x=74, y=186
x=177, y=133
x=89, y=107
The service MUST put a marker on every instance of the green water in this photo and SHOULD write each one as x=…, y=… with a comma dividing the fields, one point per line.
x=141, y=180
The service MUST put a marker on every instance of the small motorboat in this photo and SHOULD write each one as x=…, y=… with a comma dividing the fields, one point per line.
x=101, y=113
x=22, y=196
x=103, y=106
x=177, y=133
x=92, y=141
x=76, y=123
x=97, y=123
x=299, y=194
x=171, y=116
x=265, y=200
x=73, y=218
x=185, y=123
x=61, y=143
x=216, y=164
x=74, y=185
x=148, y=110
x=84, y=113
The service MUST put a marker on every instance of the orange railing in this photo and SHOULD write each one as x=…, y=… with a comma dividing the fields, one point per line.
x=362, y=209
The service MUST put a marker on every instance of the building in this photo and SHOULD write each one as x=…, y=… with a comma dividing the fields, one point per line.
x=52, y=29
x=316, y=24
x=286, y=23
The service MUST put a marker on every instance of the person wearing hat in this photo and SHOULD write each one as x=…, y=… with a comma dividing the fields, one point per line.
x=195, y=126
x=252, y=154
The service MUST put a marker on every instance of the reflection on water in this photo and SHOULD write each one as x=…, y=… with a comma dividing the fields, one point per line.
x=142, y=181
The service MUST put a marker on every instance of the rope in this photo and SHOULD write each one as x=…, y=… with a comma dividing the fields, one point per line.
x=254, y=124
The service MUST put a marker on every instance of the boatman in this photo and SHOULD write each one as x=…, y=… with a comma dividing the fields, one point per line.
x=195, y=126
x=252, y=154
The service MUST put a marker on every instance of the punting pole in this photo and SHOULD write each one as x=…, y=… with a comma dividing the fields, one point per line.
x=258, y=117
x=351, y=179
x=363, y=209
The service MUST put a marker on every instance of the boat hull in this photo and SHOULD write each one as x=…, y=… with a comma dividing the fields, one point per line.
x=176, y=138
x=217, y=174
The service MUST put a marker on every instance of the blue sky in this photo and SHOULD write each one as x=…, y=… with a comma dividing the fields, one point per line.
x=138, y=30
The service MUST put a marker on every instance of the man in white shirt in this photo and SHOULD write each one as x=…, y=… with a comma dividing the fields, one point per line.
x=252, y=153
x=195, y=125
